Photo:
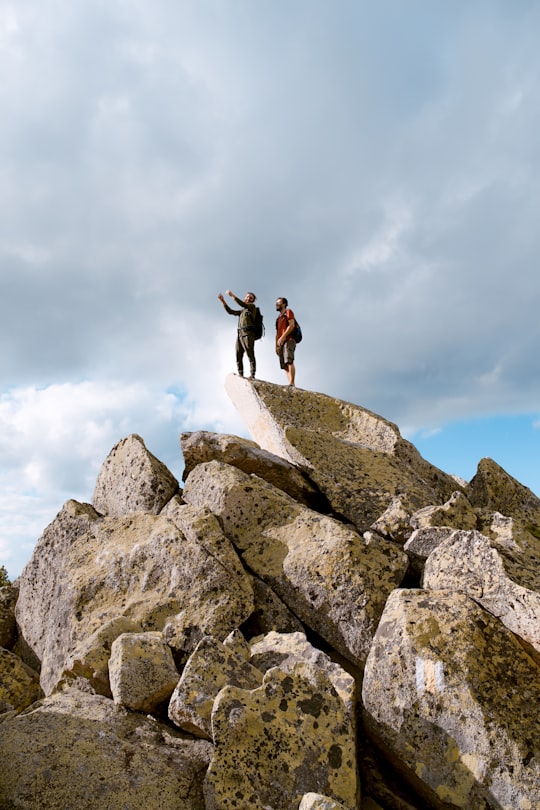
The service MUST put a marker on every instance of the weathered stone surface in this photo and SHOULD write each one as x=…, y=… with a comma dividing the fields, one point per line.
x=8, y=626
x=142, y=671
x=519, y=548
x=395, y=522
x=203, y=446
x=133, y=480
x=382, y=787
x=314, y=801
x=286, y=650
x=324, y=571
x=212, y=666
x=19, y=685
x=466, y=561
x=457, y=512
x=218, y=594
x=274, y=744
x=451, y=694
x=494, y=489
x=358, y=459
x=422, y=542
x=91, y=658
x=87, y=571
x=453, y=700
x=74, y=750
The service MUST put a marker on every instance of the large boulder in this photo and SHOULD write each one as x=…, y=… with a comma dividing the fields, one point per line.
x=203, y=446
x=289, y=737
x=357, y=459
x=494, y=489
x=212, y=666
x=286, y=650
x=131, y=479
x=88, y=570
x=142, y=671
x=468, y=562
x=331, y=578
x=452, y=699
x=75, y=750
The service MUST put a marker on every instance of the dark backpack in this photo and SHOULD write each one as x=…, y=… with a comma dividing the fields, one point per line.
x=297, y=332
x=258, y=325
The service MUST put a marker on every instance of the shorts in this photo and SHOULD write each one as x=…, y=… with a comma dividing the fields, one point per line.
x=286, y=353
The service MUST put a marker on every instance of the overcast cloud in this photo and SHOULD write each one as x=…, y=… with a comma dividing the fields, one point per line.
x=377, y=163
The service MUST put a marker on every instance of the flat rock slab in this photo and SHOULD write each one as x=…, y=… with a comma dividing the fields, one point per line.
x=467, y=562
x=203, y=446
x=358, y=460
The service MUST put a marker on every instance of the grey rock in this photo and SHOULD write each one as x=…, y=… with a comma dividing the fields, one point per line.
x=212, y=666
x=333, y=580
x=452, y=698
x=468, y=562
x=88, y=570
x=142, y=671
x=133, y=480
x=203, y=446
x=358, y=460
x=74, y=750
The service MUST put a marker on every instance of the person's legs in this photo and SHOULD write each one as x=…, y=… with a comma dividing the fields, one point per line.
x=249, y=345
x=291, y=373
x=287, y=361
x=239, y=356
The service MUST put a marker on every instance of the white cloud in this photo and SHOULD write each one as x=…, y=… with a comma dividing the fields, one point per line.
x=53, y=441
x=375, y=164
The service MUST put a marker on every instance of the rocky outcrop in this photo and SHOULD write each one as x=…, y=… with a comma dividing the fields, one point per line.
x=358, y=460
x=133, y=480
x=453, y=700
x=89, y=570
x=320, y=621
x=467, y=562
x=204, y=446
x=332, y=579
x=276, y=743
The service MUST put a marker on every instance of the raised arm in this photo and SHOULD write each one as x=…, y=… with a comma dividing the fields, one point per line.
x=227, y=307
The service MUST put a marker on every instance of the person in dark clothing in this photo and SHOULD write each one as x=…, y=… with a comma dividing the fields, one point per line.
x=245, y=340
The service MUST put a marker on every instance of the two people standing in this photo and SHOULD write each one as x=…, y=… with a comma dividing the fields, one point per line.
x=245, y=340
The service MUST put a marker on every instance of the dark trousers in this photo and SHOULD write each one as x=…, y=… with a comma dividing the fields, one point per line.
x=245, y=343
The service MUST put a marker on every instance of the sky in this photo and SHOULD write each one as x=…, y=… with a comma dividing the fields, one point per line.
x=376, y=163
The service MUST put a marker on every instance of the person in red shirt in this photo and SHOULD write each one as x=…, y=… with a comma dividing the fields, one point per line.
x=285, y=343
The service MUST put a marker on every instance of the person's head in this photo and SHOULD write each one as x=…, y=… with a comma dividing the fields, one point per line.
x=281, y=304
x=250, y=298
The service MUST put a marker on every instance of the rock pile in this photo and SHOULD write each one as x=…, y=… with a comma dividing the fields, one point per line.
x=318, y=619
